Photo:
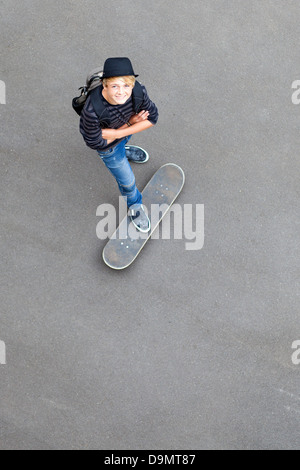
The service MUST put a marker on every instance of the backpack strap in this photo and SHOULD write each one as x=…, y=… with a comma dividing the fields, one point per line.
x=99, y=106
x=138, y=97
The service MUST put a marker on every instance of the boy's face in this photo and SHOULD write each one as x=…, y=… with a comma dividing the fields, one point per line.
x=117, y=92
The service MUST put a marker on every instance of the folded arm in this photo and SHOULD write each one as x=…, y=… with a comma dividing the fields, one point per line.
x=138, y=123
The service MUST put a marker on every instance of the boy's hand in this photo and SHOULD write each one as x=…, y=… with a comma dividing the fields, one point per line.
x=110, y=134
x=142, y=116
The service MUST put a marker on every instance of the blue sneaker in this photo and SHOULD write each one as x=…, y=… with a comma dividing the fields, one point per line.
x=140, y=219
x=136, y=154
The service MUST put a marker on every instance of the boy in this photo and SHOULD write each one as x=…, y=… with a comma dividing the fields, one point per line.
x=118, y=81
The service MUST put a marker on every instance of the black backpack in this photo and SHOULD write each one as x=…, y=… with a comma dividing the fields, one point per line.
x=94, y=90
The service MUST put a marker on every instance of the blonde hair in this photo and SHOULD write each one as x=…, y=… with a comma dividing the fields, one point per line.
x=128, y=80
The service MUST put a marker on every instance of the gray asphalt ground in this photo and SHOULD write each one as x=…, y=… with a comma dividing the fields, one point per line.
x=184, y=349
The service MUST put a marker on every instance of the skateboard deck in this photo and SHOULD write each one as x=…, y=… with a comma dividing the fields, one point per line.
x=127, y=242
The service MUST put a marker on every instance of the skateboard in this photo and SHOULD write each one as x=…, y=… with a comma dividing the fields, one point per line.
x=127, y=242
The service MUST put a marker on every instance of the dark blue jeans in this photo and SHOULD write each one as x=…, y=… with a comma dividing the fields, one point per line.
x=117, y=163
